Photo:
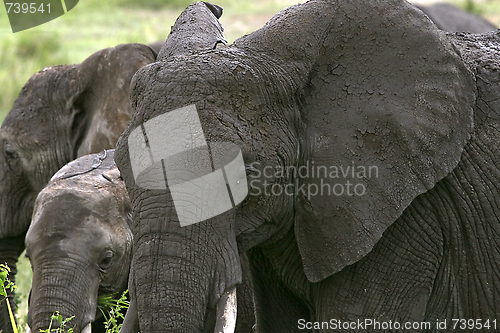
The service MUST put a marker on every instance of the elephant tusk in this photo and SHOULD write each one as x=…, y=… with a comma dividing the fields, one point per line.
x=226, y=312
x=87, y=329
x=28, y=330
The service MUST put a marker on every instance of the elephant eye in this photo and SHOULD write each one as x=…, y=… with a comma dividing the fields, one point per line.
x=11, y=155
x=106, y=260
x=10, y=152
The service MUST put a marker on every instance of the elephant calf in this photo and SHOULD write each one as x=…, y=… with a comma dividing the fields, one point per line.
x=79, y=245
x=79, y=242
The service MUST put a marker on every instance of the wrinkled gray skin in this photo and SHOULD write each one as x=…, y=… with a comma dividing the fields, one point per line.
x=450, y=18
x=339, y=83
x=62, y=112
x=79, y=245
x=79, y=242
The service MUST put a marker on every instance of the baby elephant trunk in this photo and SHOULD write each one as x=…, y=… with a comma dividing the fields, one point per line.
x=62, y=291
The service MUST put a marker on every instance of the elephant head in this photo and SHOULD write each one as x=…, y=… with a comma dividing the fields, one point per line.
x=62, y=112
x=315, y=132
x=79, y=242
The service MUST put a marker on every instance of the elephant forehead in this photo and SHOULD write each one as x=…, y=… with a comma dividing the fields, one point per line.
x=78, y=242
x=70, y=219
x=60, y=206
x=220, y=76
x=233, y=91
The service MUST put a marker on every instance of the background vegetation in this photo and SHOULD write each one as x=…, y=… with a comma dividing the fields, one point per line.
x=96, y=24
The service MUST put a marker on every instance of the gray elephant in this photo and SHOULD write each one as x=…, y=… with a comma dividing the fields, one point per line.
x=450, y=18
x=79, y=242
x=349, y=146
x=62, y=112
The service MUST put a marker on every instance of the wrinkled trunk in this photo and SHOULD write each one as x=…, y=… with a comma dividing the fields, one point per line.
x=10, y=250
x=181, y=273
x=66, y=288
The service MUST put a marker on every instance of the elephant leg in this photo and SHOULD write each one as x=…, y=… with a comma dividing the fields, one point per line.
x=10, y=250
x=277, y=308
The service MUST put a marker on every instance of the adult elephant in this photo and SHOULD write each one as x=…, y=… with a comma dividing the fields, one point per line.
x=79, y=243
x=351, y=146
x=62, y=112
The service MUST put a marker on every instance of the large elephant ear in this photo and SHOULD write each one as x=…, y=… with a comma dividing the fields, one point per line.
x=388, y=107
x=86, y=106
x=105, y=107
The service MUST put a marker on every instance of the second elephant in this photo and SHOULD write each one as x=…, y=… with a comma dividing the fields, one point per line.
x=450, y=18
x=79, y=243
x=80, y=246
x=63, y=112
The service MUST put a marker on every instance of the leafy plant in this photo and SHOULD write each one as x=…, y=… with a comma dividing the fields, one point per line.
x=62, y=324
x=111, y=309
x=6, y=284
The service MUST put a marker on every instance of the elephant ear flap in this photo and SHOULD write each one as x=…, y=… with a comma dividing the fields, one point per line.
x=103, y=108
x=388, y=110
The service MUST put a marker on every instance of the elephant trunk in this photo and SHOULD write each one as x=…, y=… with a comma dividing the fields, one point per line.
x=66, y=289
x=181, y=276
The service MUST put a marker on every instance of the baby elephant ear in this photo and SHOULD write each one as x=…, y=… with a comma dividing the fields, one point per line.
x=388, y=110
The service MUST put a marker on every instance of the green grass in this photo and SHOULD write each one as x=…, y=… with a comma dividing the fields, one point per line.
x=63, y=327
x=490, y=9
x=95, y=24
x=485, y=8
x=5, y=286
x=113, y=311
